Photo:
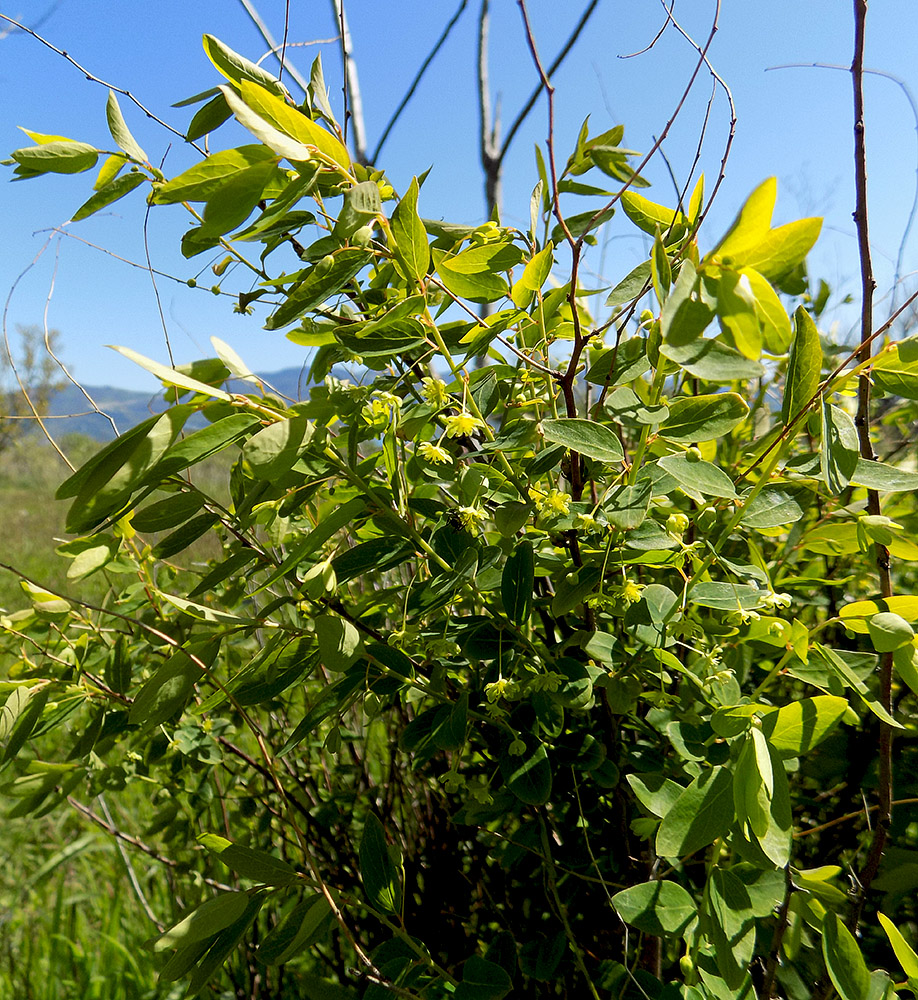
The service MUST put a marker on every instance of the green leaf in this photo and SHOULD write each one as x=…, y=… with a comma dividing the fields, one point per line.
x=626, y=506
x=57, y=157
x=291, y=122
x=248, y=862
x=799, y=726
x=296, y=931
x=204, y=921
x=411, y=248
x=892, y=373
x=888, y=631
x=850, y=679
x=169, y=376
x=108, y=194
x=235, y=200
x=697, y=476
x=803, y=368
x=738, y=313
x=773, y=507
x=119, y=130
x=726, y=596
x=378, y=872
x=839, y=451
x=769, y=312
x=844, y=960
x=631, y=287
x=904, y=952
x=339, y=642
x=783, y=248
x=712, y=361
x=273, y=451
x=655, y=793
x=201, y=181
x=751, y=225
x=883, y=477
x=624, y=363
x=659, y=908
x=650, y=217
x=704, y=418
x=19, y=716
x=517, y=581
x=584, y=437
x=319, y=284
x=237, y=68
x=361, y=207
x=660, y=269
x=685, y=316
x=170, y=687
x=701, y=814
x=482, y=980
x=208, y=118
x=476, y=285
x=528, y=777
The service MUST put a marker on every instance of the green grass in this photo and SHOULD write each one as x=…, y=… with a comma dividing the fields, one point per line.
x=69, y=921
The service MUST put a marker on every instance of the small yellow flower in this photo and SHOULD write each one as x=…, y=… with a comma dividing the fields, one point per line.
x=552, y=502
x=434, y=392
x=586, y=522
x=631, y=592
x=461, y=424
x=496, y=690
x=433, y=453
x=471, y=517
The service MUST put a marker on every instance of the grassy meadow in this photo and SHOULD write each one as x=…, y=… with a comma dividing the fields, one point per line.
x=70, y=895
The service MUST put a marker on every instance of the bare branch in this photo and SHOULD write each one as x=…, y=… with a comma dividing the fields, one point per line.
x=277, y=49
x=353, y=105
x=95, y=79
x=409, y=93
x=913, y=104
x=862, y=421
x=552, y=69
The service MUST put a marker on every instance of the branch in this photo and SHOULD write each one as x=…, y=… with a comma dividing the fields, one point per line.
x=275, y=48
x=552, y=69
x=913, y=104
x=868, y=285
x=409, y=93
x=353, y=105
x=95, y=79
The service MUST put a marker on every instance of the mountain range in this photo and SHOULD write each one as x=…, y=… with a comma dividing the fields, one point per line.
x=73, y=413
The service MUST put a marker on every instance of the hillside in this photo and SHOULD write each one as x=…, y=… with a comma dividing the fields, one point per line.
x=73, y=413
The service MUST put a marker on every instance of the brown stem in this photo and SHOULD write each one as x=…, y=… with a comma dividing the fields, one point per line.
x=862, y=421
x=771, y=967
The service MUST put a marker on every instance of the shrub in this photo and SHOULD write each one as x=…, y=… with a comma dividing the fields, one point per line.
x=544, y=658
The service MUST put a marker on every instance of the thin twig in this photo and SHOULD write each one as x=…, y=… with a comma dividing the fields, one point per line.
x=353, y=105
x=913, y=104
x=95, y=79
x=274, y=46
x=409, y=93
x=656, y=37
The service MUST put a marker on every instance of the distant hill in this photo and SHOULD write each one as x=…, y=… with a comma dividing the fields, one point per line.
x=74, y=414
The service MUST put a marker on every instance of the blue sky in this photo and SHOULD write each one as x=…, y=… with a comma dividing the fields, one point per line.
x=792, y=123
